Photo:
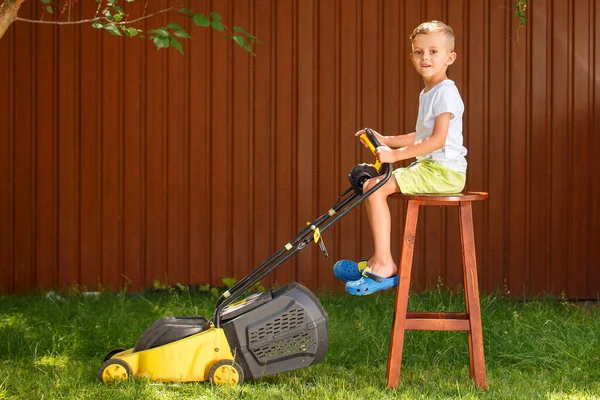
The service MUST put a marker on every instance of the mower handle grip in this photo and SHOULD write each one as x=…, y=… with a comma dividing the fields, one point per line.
x=369, y=138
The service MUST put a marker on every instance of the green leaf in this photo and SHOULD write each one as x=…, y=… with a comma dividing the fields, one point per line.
x=45, y=1
x=175, y=43
x=131, y=32
x=182, y=34
x=49, y=9
x=239, y=39
x=174, y=26
x=113, y=29
x=229, y=282
x=97, y=25
x=161, y=32
x=215, y=15
x=217, y=25
x=201, y=20
x=204, y=288
x=161, y=42
x=118, y=17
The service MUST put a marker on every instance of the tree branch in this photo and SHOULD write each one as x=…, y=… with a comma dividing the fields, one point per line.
x=85, y=21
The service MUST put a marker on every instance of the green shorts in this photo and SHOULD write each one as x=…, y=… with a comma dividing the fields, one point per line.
x=428, y=176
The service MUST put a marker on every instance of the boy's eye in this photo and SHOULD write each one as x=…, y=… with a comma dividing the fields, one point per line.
x=418, y=52
x=433, y=51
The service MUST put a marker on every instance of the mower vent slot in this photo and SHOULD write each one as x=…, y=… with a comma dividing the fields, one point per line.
x=285, y=323
x=300, y=343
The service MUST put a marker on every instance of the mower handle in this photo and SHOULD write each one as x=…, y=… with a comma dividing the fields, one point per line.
x=369, y=138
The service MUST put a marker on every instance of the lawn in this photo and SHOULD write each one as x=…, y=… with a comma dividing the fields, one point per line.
x=51, y=347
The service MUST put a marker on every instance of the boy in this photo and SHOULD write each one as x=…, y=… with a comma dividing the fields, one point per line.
x=437, y=144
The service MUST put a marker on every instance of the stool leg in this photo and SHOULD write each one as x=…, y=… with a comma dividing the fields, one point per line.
x=475, y=335
x=400, y=309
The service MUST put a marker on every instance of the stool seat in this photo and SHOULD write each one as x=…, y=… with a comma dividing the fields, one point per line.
x=470, y=320
x=465, y=196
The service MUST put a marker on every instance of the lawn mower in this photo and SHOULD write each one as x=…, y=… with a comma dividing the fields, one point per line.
x=263, y=334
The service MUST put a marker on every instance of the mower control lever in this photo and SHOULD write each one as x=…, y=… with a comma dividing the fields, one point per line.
x=369, y=138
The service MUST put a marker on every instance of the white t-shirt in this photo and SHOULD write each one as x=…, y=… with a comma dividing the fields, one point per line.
x=443, y=97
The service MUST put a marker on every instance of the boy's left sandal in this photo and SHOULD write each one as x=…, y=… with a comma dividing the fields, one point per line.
x=370, y=283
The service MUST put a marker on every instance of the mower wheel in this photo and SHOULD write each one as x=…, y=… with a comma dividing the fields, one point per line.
x=114, y=369
x=226, y=372
x=111, y=353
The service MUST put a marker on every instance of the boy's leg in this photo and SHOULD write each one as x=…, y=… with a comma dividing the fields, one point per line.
x=380, y=221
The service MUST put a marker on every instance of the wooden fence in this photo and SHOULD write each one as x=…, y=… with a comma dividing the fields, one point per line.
x=122, y=165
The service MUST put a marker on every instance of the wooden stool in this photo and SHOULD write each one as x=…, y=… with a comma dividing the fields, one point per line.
x=470, y=320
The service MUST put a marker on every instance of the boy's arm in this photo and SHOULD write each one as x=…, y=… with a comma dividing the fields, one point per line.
x=395, y=142
x=431, y=143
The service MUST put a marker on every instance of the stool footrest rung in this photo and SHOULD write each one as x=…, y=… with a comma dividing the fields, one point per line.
x=437, y=324
x=438, y=321
x=437, y=315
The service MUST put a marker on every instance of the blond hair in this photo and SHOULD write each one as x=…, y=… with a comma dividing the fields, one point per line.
x=434, y=26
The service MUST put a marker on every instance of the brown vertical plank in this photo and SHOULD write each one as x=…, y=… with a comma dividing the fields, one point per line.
x=242, y=100
x=494, y=262
x=222, y=161
x=594, y=233
x=177, y=156
x=593, y=272
x=560, y=147
x=263, y=172
x=24, y=106
x=111, y=159
x=200, y=162
x=413, y=84
x=155, y=104
x=133, y=167
x=67, y=110
x=518, y=189
x=580, y=139
x=46, y=160
x=433, y=226
x=90, y=257
x=476, y=106
x=326, y=139
x=456, y=17
x=7, y=104
x=307, y=46
x=394, y=54
x=368, y=112
x=285, y=226
x=346, y=244
x=540, y=160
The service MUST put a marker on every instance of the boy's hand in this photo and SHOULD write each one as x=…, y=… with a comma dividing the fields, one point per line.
x=385, y=155
x=375, y=133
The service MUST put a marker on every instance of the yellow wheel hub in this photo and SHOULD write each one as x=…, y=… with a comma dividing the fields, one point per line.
x=114, y=372
x=226, y=374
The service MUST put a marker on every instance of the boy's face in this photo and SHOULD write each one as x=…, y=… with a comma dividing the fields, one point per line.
x=431, y=55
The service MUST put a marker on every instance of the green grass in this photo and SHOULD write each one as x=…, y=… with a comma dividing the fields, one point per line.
x=51, y=348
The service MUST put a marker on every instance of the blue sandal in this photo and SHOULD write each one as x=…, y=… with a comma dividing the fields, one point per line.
x=346, y=270
x=370, y=283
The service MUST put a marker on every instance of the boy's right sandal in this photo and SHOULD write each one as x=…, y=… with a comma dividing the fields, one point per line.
x=370, y=283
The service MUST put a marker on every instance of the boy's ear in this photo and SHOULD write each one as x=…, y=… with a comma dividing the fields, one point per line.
x=451, y=58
